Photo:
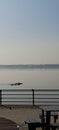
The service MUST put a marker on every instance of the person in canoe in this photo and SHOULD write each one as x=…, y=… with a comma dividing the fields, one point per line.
x=16, y=83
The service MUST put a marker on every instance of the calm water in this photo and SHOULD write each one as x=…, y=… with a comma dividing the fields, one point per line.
x=33, y=77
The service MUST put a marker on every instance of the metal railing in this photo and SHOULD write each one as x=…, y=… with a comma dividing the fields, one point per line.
x=29, y=97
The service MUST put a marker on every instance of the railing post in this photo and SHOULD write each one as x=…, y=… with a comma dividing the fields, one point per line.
x=33, y=96
x=0, y=97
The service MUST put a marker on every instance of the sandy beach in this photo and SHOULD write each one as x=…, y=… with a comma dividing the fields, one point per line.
x=19, y=114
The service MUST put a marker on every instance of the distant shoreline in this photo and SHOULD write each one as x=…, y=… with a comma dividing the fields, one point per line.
x=30, y=66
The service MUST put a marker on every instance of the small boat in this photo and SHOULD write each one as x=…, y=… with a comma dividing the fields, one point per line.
x=16, y=83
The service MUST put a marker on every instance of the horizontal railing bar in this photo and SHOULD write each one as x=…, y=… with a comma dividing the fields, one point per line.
x=46, y=90
x=29, y=94
x=26, y=98
x=28, y=101
x=17, y=98
x=46, y=102
x=15, y=94
x=17, y=101
x=47, y=98
x=46, y=94
x=38, y=95
x=31, y=101
x=30, y=90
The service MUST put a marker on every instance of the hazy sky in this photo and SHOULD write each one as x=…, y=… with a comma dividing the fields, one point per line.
x=29, y=31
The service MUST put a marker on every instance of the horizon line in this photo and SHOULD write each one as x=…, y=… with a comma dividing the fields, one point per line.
x=27, y=64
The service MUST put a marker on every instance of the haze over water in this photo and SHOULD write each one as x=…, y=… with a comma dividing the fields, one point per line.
x=32, y=76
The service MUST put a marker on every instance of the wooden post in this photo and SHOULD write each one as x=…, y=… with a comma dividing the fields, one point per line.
x=0, y=97
x=33, y=96
x=48, y=120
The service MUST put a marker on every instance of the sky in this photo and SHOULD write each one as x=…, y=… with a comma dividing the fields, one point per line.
x=29, y=31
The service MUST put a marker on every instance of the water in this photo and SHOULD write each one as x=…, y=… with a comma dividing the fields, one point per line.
x=32, y=76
